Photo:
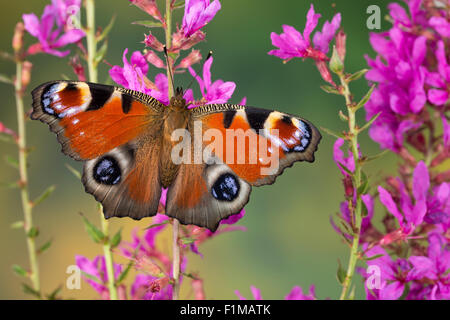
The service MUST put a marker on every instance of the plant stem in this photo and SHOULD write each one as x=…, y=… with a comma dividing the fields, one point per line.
x=353, y=133
x=176, y=223
x=93, y=77
x=26, y=205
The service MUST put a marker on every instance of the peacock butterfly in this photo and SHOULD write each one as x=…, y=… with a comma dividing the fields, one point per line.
x=126, y=140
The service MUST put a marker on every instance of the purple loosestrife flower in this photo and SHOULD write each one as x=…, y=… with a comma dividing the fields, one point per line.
x=435, y=267
x=212, y=92
x=133, y=76
x=292, y=43
x=197, y=13
x=393, y=275
x=96, y=269
x=255, y=292
x=440, y=80
x=295, y=294
x=64, y=11
x=49, y=38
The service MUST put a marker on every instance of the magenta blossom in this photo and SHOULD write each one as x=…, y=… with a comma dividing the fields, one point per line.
x=216, y=92
x=96, y=270
x=49, y=38
x=255, y=292
x=440, y=94
x=292, y=43
x=65, y=11
x=295, y=294
x=435, y=267
x=197, y=13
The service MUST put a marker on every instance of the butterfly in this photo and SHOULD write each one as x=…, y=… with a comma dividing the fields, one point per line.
x=125, y=139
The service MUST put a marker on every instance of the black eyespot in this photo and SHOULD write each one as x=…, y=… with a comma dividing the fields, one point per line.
x=47, y=98
x=226, y=188
x=107, y=171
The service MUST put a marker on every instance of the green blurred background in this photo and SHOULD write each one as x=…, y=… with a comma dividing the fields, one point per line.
x=289, y=239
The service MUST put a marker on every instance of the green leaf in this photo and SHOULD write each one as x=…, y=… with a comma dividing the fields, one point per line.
x=54, y=294
x=340, y=274
x=342, y=116
x=20, y=271
x=12, y=162
x=101, y=53
x=158, y=224
x=7, y=138
x=364, y=184
x=369, y=123
x=332, y=133
x=124, y=273
x=178, y=5
x=365, y=98
x=336, y=64
x=74, y=171
x=116, y=239
x=148, y=23
x=373, y=257
x=5, y=79
x=44, y=247
x=96, y=235
x=356, y=75
x=187, y=240
x=17, y=225
x=91, y=277
x=10, y=185
x=44, y=195
x=33, y=232
x=352, y=294
x=106, y=30
x=379, y=155
x=29, y=290
x=330, y=89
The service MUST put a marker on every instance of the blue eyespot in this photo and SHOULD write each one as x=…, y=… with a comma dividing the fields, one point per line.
x=226, y=188
x=107, y=171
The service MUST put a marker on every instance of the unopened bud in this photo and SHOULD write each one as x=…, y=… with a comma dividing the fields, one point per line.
x=148, y=6
x=151, y=41
x=325, y=72
x=341, y=40
x=191, y=59
x=153, y=58
x=26, y=73
x=180, y=42
x=336, y=64
x=17, y=41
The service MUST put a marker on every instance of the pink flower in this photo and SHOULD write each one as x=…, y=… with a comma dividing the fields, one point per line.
x=255, y=292
x=197, y=13
x=96, y=269
x=216, y=92
x=64, y=11
x=440, y=94
x=297, y=294
x=50, y=39
x=131, y=75
x=292, y=43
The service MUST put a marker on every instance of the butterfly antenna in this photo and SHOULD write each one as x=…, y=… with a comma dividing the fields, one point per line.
x=168, y=67
x=207, y=57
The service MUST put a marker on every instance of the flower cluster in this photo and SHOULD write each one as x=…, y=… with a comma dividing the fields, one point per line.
x=55, y=29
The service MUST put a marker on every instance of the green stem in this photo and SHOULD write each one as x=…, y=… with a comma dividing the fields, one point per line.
x=353, y=133
x=176, y=224
x=26, y=205
x=93, y=77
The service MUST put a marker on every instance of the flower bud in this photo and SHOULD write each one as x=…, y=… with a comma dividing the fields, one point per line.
x=191, y=59
x=180, y=42
x=197, y=287
x=26, y=73
x=17, y=41
x=78, y=68
x=325, y=72
x=148, y=6
x=151, y=41
x=336, y=64
x=153, y=58
x=341, y=39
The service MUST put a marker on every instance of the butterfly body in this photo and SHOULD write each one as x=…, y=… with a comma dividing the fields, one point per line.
x=129, y=145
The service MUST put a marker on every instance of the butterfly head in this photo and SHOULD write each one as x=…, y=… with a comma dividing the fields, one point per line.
x=177, y=101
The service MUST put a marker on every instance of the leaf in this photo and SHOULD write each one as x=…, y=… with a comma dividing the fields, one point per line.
x=10, y=185
x=178, y=5
x=20, y=271
x=378, y=155
x=44, y=247
x=5, y=79
x=17, y=225
x=356, y=75
x=29, y=290
x=116, y=239
x=342, y=116
x=96, y=235
x=43, y=196
x=124, y=273
x=369, y=123
x=33, y=232
x=12, y=162
x=365, y=98
x=74, y=171
x=101, y=53
x=340, y=274
x=364, y=184
x=53, y=295
x=373, y=257
x=330, y=89
x=158, y=224
x=106, y=30
x=91, y=277
x=187, y=240
x=7, y=138
x=352, y=294
x=332, y=133
x=148, y=23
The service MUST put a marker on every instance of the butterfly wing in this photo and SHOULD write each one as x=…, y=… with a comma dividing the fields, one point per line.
x=116, y=132
x=256, y=146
